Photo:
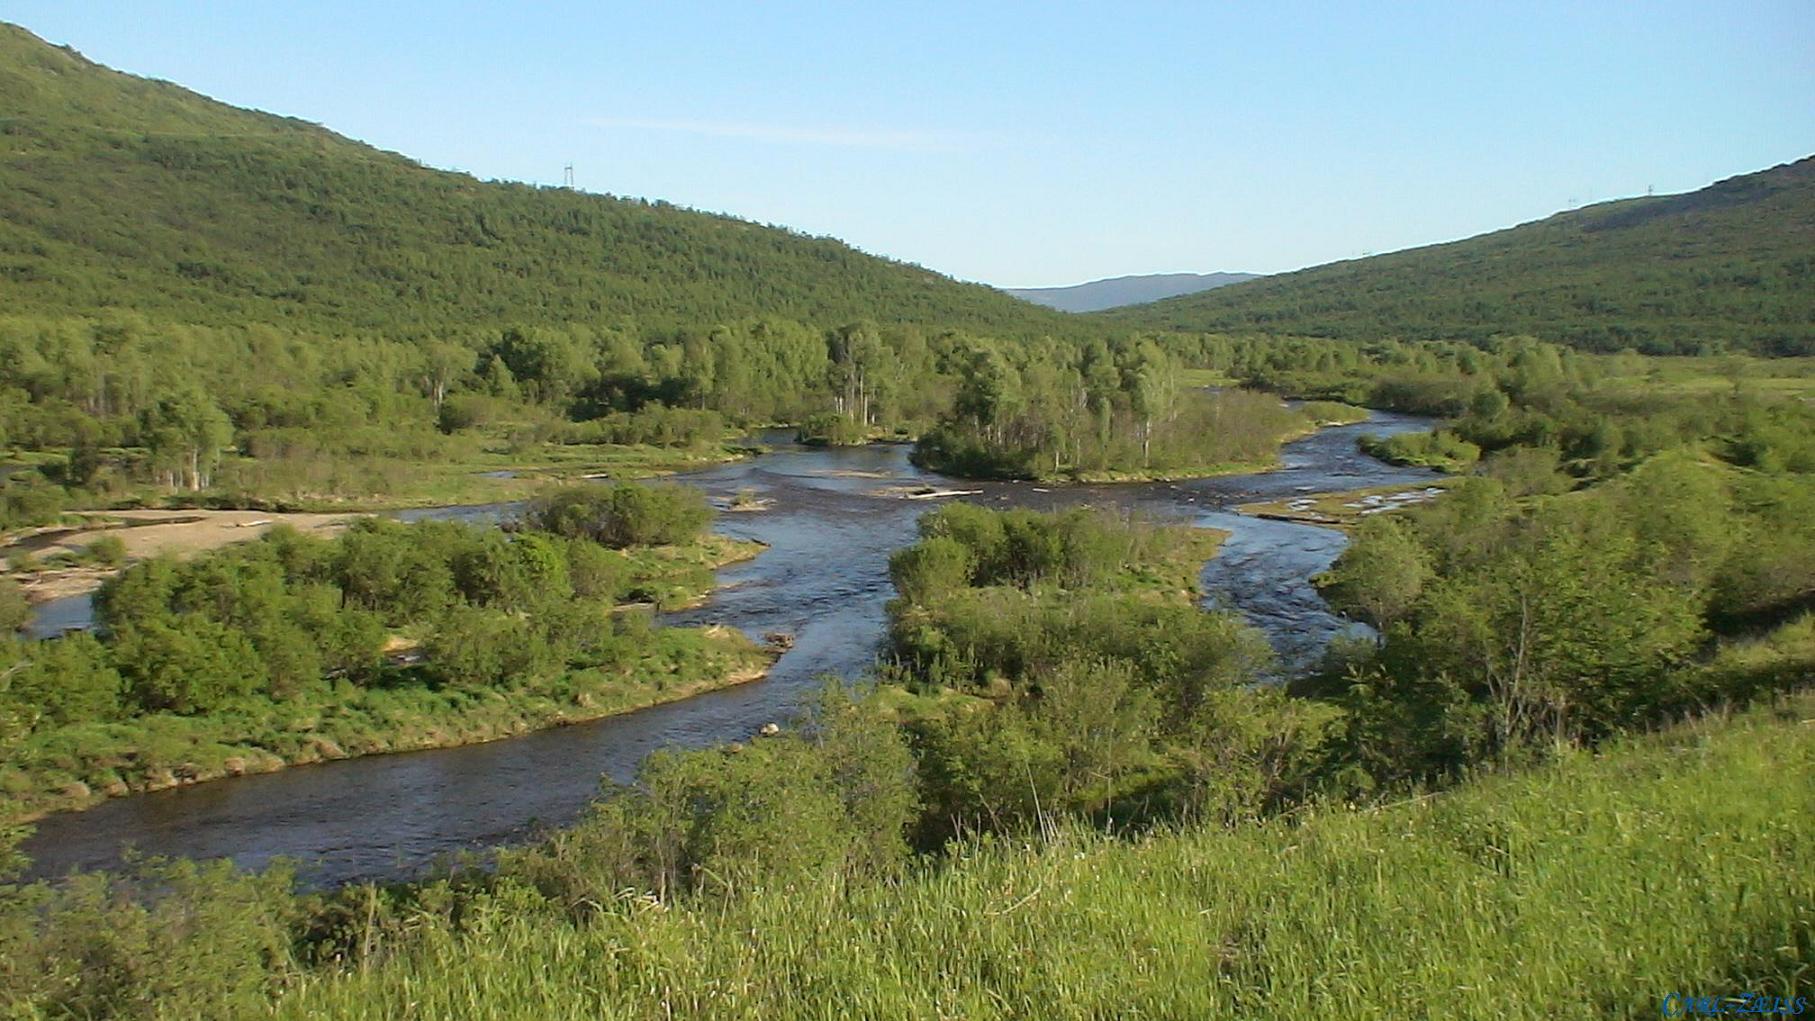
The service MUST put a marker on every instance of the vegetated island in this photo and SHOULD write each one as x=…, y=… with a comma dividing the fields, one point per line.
x=294, y=649
x=1121, y=412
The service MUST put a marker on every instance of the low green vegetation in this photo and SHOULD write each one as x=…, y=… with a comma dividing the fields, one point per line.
x=831, y=429
x=999, y=597
x=14, y=610
x=1443, y=451
x=1322, y=413
x=1060, y=663
x=1563, y=871
x=785, y=896
x=293, y=649
x=1507, y=622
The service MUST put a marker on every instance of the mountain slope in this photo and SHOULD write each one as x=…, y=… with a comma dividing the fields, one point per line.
x=1731, y=265
x=119, y=192
x=1115, y=292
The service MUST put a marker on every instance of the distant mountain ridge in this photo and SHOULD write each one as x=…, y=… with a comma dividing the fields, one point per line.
x=1115, y=292
x=1730, y=266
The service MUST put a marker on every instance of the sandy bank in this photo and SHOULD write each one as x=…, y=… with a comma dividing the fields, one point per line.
x=148, y=533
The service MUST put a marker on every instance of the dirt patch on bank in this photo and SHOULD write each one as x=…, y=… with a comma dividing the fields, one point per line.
x=148, y=533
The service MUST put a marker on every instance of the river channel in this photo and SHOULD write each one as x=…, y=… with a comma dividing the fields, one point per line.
x=824, y=580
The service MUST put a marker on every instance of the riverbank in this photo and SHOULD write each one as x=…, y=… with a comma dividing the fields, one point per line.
x=406, y=704
x=78, y=766
x=1118, y=476
x=507, y=475
x=143, y=534
x=54, y=562
x=1322, y=415
x=187, y=523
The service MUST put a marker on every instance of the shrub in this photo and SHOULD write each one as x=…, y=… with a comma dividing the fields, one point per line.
x=931, y=568
x=68, y=680
x=830, y=428
x=595, y=572
x=622, y=515
x=1442, y=450
x=188, y=665
x=107, y=551
x=15, y=612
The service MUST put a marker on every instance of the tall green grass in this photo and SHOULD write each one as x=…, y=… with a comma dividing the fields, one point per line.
x=1682, y=862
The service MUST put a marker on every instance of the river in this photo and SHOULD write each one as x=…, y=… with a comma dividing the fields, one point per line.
x=824, y=580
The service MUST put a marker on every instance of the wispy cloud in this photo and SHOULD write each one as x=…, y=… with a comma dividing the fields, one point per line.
x=850, y=138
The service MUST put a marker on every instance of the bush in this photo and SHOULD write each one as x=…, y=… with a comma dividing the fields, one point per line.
x=1442, y=450
x=655, y=425
x=474, y=647
x=15, y=612
x=107, y=551
x=1073, y=549
x=68, y=680
x=188, y=665
x=595, y=572
x=832, y=801
x=831, y=429
x=931, y=568
x=622, y=515
x=1528, y=471
x=26, y=501
x=172, y=939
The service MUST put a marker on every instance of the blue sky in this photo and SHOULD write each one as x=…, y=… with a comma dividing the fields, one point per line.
x=1028, y=144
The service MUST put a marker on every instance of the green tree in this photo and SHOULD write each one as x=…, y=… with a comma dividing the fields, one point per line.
x=931, y=568
x=185, y=432
x=1381, y=574
x=193, y=666
x=1100, y=719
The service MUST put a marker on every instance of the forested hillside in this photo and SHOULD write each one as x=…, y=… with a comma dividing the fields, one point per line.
x=1731, y=266
x=122, y=193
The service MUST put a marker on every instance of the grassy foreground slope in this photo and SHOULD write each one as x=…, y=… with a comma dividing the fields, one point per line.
x=1681, y=862
x=117, y=192
x=1730, y=266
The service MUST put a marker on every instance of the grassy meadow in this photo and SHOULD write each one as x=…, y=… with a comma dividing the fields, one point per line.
x=1595, y=886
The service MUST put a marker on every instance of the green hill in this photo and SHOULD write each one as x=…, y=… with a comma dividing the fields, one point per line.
x=120, y=192
x=1730, y=266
